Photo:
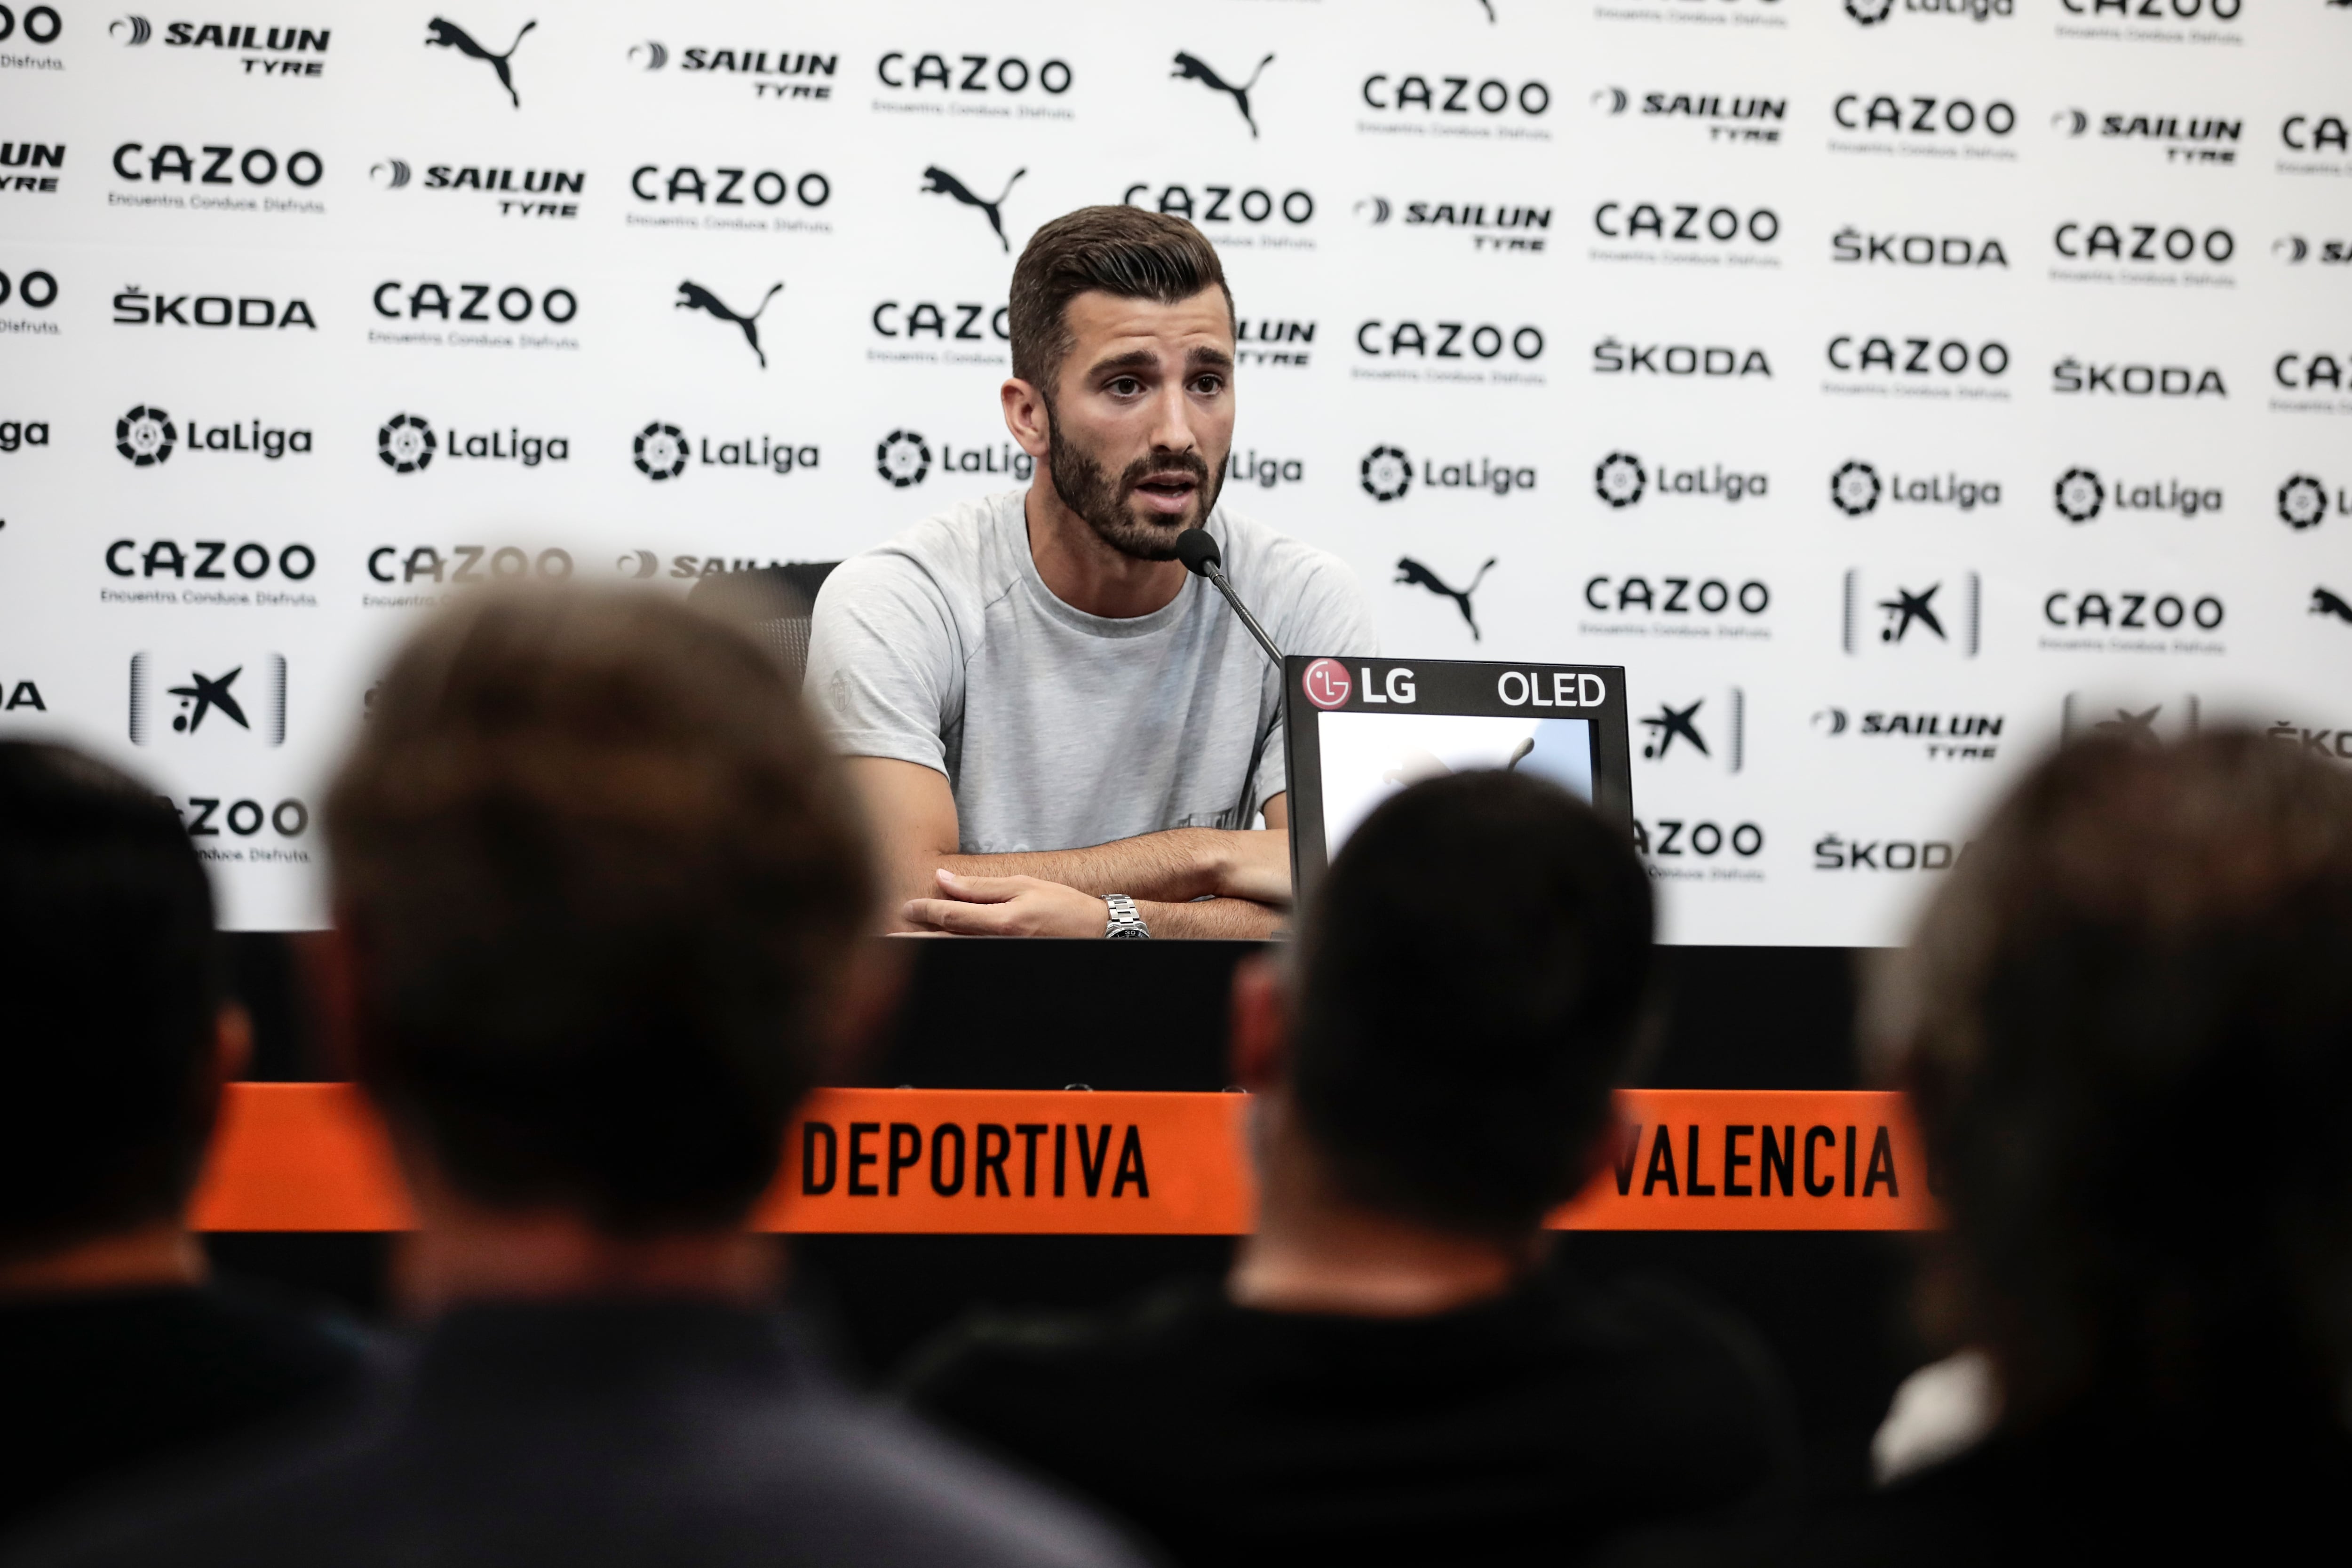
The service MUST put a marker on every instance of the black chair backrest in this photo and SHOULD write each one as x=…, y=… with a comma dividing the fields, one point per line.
x=772, y=603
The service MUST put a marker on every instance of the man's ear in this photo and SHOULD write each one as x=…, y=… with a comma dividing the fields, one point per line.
x=1026, y=416
x=1260, y=1049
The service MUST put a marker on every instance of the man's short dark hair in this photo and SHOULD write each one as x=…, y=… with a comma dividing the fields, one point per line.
x=112, y=976
x=2127, y=1024
x=1121, y=250
x=1470, y=983
x=602, y=879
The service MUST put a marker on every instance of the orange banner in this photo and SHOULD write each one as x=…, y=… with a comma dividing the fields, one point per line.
x=312, y=1156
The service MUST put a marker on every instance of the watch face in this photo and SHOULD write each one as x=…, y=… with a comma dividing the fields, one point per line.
x=1128, y=933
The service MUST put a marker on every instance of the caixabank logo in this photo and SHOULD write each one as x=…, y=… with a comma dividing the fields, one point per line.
x=977, y=85
x=1680, y=362
x=31, y=168
x=1854, y=245
x=1923, y=614
x=781, y=75
x=1744, y=119
x=146, y=437
x=407, y=443
x=216, y=177
x=735, y=197
x=1879, y=13
x=905, y=459
x=2137, y=718
x=1962, y=129
x=1656, y=232
x=211, y=706
x=509, y=190
x=1916, y=365
x=1942, y=736
x=2082, y=495
x=1272, y=215
x=2182, y=139
x=1437, y=350
x=248, y=48
x=2305, y=501
x=1387, y=474
x=1858, y=488
x=663, y=452
x=1677, y=733
x=167, y=308
x=1485, y=227
x=1621, y=480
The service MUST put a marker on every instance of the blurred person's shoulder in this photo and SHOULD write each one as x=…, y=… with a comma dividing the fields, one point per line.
x=119, y=1383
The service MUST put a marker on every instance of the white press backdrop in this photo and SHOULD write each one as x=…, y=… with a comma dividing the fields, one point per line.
x=1724, y=328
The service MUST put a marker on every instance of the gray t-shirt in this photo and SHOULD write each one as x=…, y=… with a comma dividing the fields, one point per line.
x=1058, y=729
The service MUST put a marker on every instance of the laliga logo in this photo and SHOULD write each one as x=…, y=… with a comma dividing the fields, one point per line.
x=2302, y=502
x=146, y=436
x=661, y=451
x=1620, y=480
x=1856, y=488
x=2080, y=495
x=1387, y=474
x=1871, y=13
x=903, y=458
x=405, y=443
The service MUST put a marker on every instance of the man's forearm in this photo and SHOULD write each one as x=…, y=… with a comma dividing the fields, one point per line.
x=1174, y=867
x=1236, y=918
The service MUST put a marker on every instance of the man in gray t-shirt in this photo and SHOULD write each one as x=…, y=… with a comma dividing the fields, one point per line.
x=1057, y=729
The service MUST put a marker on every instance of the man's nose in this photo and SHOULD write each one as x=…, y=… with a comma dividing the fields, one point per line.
x=1171, y=420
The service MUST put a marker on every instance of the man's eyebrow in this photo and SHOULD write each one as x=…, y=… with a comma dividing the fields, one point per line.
x=1134, y=359
x=1204, y=357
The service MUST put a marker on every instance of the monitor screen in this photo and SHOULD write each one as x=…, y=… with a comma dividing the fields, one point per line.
x=1358, y=730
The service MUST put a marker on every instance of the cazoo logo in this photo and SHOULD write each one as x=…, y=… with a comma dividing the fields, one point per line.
x=1488, y=97
x=1916, y=115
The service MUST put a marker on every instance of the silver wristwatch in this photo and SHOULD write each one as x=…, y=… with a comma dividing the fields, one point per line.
x=1126, y=920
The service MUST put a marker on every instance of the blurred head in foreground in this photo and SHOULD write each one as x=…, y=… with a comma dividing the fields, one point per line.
x=116, y=1038
x=2126, y=1024
x=598, y=881
x=1467, y=987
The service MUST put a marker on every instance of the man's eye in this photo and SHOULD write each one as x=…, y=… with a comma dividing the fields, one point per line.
x=1209, y=386
x=1125, y=386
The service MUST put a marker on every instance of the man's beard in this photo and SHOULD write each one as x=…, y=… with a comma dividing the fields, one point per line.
x=1086, y=488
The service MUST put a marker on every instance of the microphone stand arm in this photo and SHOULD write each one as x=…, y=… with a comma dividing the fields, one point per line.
x=1216, y=574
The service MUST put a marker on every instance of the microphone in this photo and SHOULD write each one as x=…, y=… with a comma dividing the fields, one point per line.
x=1199, y=552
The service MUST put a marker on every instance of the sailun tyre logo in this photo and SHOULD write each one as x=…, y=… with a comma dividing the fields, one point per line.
x=1620, y=480
x=1856, y=488
x=661, y=451
x=2302, y=502
x=2080, y=495
x=655, y=56
x=405, y=443
x=132, y=30
x=1387, y=473
x=1869, y=13
x=392, y=172
x=146, y=436
x=903, y=458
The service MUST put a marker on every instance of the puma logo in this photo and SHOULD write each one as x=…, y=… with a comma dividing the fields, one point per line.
x=937, y=182
x=1192, y=68
x=2326, y=603
x=1411, y=570
x=695, y=296
x=445, y=35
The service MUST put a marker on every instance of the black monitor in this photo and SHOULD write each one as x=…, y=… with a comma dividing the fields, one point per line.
x=1356, y=730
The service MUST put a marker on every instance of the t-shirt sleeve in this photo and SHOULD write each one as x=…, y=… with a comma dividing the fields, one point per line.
x=1331, y=616
x=885, y=669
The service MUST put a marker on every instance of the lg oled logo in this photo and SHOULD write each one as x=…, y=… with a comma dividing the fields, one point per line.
x=661, y=451
x=442, y=34
x=785, y=74
x=1856, y=488
x=263, y=51
x=212, y=697
x=904, y=459
x=1621, y=479
x=1191, y=67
